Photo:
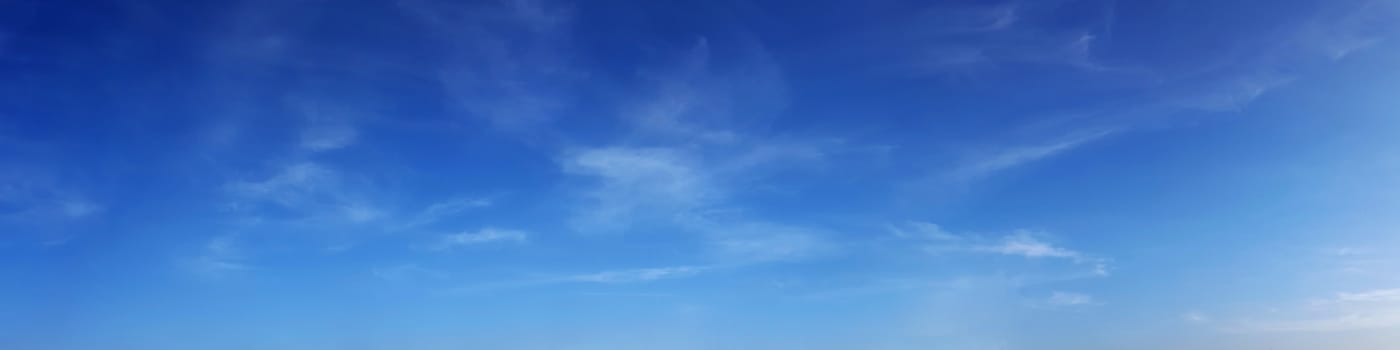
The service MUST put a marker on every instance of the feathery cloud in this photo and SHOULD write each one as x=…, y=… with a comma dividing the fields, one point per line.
x=623, y=276
x=220, y=256
x=1012, y=157
x=638, y=275
x=510, y=63
x=637, y=185
x=291, y=185
x=1195, y=317
x=1069, y=299
x=755, y=242
x=313, y=192
x=407, y=272
x=482, y=236
x=1379, y=295
x=326, y=138
x=1348, y=311
x=921, y=230
x=444, y=210
x=1022, y=243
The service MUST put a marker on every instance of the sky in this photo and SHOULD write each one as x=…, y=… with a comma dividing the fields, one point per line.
x=540, y=174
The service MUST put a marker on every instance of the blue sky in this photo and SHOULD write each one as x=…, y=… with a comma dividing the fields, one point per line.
x=532, y=174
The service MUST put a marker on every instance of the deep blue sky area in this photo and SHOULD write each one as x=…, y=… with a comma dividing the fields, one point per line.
x=540, y=174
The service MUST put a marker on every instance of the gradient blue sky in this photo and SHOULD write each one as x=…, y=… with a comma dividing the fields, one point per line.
x=532, y=174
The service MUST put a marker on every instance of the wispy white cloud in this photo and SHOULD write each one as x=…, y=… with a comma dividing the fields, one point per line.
x=326, y=138
x=1021, y=243
x=313, y=191
x=407, y=272
x=39, y=203
x=290, y=186
x=1024, y=244
x=1230, y=95
x=326, y=126
x=444, y=210
x=638, y=275
x=1352, y=30
x=1347, y=311
x=482, y=236
x=219, y=256
x=674, y=190
x=921, y=230
x=78, y=208
x=612, y=277
x=360, y=212
x=638, y=184
x=754, y=242
x=509, y=60
x=1011, y=157
x=1379, y=295
x=961, y=39
x=692, y=150
x=1069, y=299
x=1221, y=83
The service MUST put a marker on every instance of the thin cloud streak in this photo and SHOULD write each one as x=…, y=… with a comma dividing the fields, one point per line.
x=478, y=237
x=1021, y=243
x=607, y=277
x=1013, y=157
x=1063, y=299
x=1347, y=311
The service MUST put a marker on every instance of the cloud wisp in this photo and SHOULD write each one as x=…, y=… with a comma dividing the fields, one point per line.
x=687, y=154
x=1068, y=299
x=509, y=63
x=220, y=256
x=606, y=277
x=1024, y=244
x=483, y=236
x=1346, y=311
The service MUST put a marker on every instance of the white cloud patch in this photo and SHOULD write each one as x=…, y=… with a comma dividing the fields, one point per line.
x=1365, y=26
x=509, y=60
x=1231, y=95
x=1347, y=311
x=329, y=137
x=78, y=208
x=1020, y=243
x=690, y=152
x=33, y=202
x=1195, y=317
x=445, y=210
x=637, y=184
x=1380, y=295
x=764, y=242
x=313, y=191
x=962, y=39
x=482, y=236
x=292, y=185
x=1219, y=83
x=921, y=230
x=407, y=272
x=612, y=277
x=976, y=18
x=1069, y=299
x=1007, y=158
x=220, y=256
x=638, y=275
x=361, y=213
x=328, y=123
x=1024, y=244
x=671, y=189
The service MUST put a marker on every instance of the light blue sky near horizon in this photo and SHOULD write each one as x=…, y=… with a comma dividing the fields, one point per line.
x=532, y=174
